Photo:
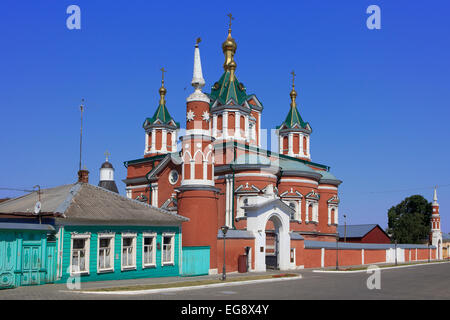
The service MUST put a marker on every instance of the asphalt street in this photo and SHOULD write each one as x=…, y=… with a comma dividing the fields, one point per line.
x=418, y=282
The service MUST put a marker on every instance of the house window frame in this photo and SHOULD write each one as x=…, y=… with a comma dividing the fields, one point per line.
x=172, y=253
x=87, y=246
x=110, y=236
x=155, y=239
x=134, y=237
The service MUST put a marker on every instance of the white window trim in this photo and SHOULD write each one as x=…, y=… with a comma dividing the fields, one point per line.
x=148, y=235
x=240, y=212
x=128, y=235
x=298, y=207
x=314, y=213
x=87, y=238
x=332, y=219
x=172, y=255
x=112, y=244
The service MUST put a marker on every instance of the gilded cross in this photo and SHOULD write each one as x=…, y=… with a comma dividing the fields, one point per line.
x=107, y=154
x=198, y=40
x=231, y=18
x=163, y=71
x=293, y=77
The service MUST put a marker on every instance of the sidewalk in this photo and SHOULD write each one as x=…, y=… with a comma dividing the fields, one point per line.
x=149, y=281
x=380, y=264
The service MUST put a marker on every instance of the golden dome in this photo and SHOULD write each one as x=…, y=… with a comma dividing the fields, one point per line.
x=293, y=95
x=229, y=49
x=229, y=43
x=162, y=93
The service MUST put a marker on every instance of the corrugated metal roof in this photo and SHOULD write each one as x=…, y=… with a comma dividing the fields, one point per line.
x=50, y=200
x=85, y=202
x=355, y=230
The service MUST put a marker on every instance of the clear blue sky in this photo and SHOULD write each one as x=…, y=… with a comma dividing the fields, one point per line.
x=377, y=100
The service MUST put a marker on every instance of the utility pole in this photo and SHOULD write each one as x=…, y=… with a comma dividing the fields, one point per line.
x=345, y=228
x=81, y=130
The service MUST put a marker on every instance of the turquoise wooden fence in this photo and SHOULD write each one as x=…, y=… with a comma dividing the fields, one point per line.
x=26, y=258
x=195, y=261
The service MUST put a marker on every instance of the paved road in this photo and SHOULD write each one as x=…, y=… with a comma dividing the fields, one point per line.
x=419, y=282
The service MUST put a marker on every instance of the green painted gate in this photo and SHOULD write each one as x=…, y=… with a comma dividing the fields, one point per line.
x=31, y=264
x=51, y=262
x=26, y=258
x=8, y=256
x=195, y=261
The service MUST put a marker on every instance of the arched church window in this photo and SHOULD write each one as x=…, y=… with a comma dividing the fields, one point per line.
x=293, y=206
x=285, y=145
x=333, y=212
x=219, y=122
x=305, y=150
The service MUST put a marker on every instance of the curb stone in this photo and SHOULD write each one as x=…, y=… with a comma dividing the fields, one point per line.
x=214, y=285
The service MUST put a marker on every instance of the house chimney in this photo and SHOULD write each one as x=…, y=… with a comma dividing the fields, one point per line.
x=83, y=176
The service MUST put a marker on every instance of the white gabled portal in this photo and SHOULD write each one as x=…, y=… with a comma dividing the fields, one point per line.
x=259, y=212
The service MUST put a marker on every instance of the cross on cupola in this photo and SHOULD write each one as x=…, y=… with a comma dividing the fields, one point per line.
x=294, y=132
x=107, y=175
x=107, y=154
x=231, y=18
x=161, y=129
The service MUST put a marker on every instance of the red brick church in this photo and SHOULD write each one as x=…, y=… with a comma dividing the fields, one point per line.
x=273, y=203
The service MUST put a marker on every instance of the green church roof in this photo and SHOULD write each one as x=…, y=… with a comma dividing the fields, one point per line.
x=293, y=118
x=162, y=114
x=226, y=89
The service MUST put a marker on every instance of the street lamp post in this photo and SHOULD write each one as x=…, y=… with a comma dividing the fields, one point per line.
x=337, y=251
x=224, y=272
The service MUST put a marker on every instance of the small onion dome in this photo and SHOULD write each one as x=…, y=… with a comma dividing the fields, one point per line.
x=229, y=43
x=106, y=165
x=293, y=95
x=162, y=93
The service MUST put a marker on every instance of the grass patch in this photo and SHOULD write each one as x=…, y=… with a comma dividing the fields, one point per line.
x=192, y=283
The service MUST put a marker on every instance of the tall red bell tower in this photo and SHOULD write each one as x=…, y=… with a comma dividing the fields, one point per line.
x=197, y=197
x=435, y=233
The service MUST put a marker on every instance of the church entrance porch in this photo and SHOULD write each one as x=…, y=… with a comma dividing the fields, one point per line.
x=272, y=242
x=268, y=219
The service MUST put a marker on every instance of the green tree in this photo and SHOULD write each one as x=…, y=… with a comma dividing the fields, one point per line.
x=409, y=221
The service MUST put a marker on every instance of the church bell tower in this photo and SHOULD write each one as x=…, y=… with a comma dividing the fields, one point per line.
x=197, y=197
x=436, y=234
